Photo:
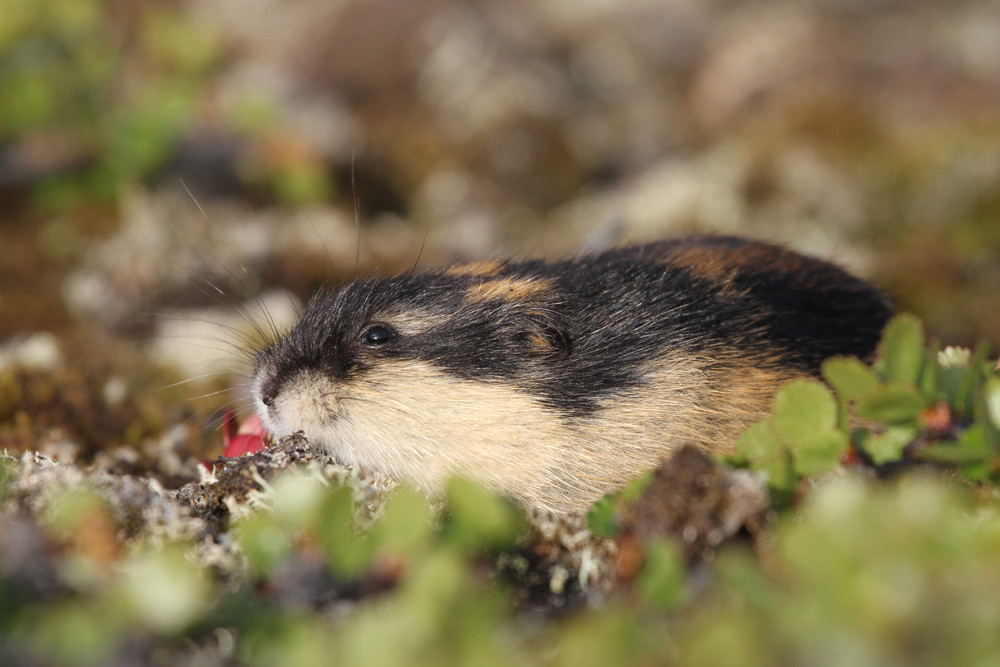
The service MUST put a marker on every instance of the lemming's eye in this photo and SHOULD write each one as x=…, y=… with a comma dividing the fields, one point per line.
x=377, y=335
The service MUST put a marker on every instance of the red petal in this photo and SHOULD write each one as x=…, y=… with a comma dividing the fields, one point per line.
x=244, y=444
x=253, y=424
x=250, y=437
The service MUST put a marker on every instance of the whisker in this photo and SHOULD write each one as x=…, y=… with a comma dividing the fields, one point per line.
x=245, y=345
x=326, y=250
x=212, y=393
x=214, y=323
x=238, y=353
x=357, y=221
x=249, y=285
x=423, y=242
x=190, y=380
x=218, y=418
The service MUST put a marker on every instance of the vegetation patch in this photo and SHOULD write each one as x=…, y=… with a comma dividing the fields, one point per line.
x=859, y=525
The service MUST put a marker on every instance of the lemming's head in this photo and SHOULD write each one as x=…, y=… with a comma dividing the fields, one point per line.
x=497, y=330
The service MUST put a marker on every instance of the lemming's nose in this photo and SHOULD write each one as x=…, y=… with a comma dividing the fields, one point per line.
x=269, y=392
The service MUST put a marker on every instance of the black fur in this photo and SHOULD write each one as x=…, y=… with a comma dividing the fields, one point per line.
x=605, y=321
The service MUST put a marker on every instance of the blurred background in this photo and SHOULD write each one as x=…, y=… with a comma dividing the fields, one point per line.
x=169, y=169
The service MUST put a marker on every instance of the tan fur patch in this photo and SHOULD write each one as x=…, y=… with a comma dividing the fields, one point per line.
x=486, y=267
x=721, y=265
x=682, y=401
x=412, y=322
x=509, y=289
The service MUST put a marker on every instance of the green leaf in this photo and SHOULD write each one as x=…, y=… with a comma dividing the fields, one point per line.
x=162, y=589
x=7, y=475
x=978, y=471
x=346, y=552
x=802, y=409
x=929, y=379
x=903, y=348
x=634, y=489
x=602, y=518
x=263, y=541
x=296, y=499
x=663, y=579
x=758, y=441
x=991, y=395
x=480, y=519
x=888, y=446
x=966, y=392
x=819, y=454
x=894, y=403
x=953, y=369
x=405, y=523
x=759, y=445
x=849, y=376
x=971, y=447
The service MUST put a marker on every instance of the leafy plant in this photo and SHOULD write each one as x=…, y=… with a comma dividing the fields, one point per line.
x=602, y=519
x=850, y=570
x=98, y=99
x=915, y=404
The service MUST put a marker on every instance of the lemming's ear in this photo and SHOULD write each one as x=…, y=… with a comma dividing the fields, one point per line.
x=544, y=334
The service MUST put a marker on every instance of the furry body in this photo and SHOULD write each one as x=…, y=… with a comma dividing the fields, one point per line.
x=557, y=382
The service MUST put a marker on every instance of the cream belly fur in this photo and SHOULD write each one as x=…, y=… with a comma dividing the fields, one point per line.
x=421, y=425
